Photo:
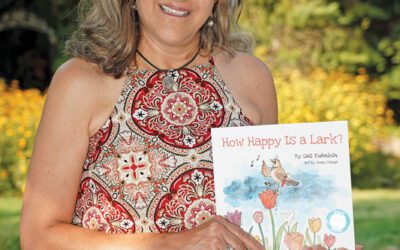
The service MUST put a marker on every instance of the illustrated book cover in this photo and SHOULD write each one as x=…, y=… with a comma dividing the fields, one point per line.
x=288, y=185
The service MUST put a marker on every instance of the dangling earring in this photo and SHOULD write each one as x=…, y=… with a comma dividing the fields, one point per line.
x=134, y=6
x=210, y=21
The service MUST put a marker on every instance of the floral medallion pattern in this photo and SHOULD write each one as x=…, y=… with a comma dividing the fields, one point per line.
x=149, y=167
x=189, y=203
x=181, y=117
x=96, y=210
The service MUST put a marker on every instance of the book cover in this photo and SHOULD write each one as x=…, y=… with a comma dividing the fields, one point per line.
x=288, y=185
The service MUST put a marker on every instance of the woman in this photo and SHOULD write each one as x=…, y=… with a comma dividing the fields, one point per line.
x=167, y=71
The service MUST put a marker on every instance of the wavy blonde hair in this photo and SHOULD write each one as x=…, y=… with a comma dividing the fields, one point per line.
x=108, y=33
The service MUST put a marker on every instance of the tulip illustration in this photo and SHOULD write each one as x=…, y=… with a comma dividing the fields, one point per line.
x=294, y=241
x=258, y=218
x=235, y=217
x=268, y=199
x=329, y=240
x=315, y=226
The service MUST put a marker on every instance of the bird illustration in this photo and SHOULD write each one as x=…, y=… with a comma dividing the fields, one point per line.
x=277, y=173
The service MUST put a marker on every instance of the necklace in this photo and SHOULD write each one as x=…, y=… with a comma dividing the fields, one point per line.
x=168, y=80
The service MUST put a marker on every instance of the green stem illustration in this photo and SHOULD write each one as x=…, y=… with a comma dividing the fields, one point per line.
x=262, y=235
x=273, y=229
x=314, y=238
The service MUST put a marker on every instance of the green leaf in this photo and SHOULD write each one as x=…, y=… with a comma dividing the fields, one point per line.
x=279, y=235
x=294, y=227
x=308, y=237
x=250, y=230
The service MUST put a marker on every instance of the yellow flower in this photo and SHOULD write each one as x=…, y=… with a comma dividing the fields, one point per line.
x=22, y=143
x=28, y=133
x=314, y=224
x=10, y=133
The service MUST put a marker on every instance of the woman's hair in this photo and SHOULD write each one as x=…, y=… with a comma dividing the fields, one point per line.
x=109, y=32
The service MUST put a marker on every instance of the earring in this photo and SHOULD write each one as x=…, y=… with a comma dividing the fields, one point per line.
x=134, y=6
x=210, y=22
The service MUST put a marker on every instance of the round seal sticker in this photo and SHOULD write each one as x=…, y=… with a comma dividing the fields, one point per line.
x=338, y=221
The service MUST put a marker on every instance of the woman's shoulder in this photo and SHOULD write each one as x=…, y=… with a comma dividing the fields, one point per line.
x=79, y=79
x=244, y=62
x=77, y=74
x=255, y=79
x=75, y=87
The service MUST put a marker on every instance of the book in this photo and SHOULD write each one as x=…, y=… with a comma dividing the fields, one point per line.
x=288, y=185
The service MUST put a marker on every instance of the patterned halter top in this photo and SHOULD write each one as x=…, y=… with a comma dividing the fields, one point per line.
x=149, y=167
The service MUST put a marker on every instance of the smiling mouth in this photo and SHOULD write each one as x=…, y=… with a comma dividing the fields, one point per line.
x=174, y=12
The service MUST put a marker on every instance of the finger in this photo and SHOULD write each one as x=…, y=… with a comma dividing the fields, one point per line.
x=232, y=240
x=221, y=245
x=221, y=236
x=246, y=238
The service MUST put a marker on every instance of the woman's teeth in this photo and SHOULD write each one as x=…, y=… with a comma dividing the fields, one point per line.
x=169, y=10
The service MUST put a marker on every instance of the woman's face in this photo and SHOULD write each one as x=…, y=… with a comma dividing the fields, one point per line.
x=173, y=22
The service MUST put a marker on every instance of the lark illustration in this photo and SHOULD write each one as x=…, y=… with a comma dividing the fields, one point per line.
x=277, y=173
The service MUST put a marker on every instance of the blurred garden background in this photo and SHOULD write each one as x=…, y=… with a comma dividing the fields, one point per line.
x=331, y=60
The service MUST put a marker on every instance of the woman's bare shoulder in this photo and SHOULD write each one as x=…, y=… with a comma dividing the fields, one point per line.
x=77, y=81
x=72, y=94
x=251, y=66
x=76, y=74
x=256, y=81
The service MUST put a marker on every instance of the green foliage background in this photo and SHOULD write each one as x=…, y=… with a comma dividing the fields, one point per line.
x=336, y=60
x=330, y=34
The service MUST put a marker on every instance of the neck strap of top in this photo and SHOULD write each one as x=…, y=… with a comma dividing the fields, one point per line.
x=159, y=69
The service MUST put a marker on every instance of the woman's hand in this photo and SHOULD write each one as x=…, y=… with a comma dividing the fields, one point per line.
x=217, y=233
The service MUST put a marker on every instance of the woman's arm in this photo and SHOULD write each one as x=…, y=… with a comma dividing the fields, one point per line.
x=55, y=170
x=56, y=166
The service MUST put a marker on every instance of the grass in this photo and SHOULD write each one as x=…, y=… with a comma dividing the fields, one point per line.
x=376, y=214
x=377, y=218
x=9, y=223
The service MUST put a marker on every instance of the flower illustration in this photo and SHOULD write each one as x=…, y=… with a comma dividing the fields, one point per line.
x=162, y=223
x=235, y=217
x=329, y=240
x=140, y=114
x=268, y=198
x=126, y=224
x=203, y=216
x=294, y=241
x=258, y=217
x=189, y=141
x=197, y=177
x=216, y=106
x=314, y=224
